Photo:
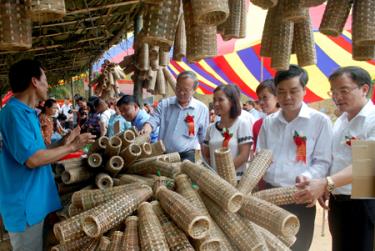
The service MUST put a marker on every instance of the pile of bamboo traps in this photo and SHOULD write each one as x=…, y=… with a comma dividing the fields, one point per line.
x=160, y=203
x=106, y=83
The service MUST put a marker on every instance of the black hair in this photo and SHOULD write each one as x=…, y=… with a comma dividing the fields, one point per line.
x=48, y=104
x=233, y=94
x=97, y=102
x=359, y=75
x=21, y=73
x=267, y=84
x=293, y=71
x=127, y=100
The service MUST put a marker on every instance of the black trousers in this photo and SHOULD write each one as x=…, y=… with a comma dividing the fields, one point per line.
x=306, y=218
x=351, y=223
x=190, y=155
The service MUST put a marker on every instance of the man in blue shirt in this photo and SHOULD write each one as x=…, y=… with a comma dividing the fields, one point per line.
x=27, y=188
x=138, y=117
x=182, y=119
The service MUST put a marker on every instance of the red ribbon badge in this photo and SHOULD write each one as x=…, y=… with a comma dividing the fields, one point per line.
x=189, y=119
x=227, y=136
x=348, y=140
x=300, y=142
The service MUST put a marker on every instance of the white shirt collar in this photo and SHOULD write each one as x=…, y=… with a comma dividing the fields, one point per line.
x=303, y=113
x=364, y=112
x=192, y=103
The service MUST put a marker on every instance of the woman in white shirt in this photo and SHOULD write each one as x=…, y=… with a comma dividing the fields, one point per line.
x=232, y=127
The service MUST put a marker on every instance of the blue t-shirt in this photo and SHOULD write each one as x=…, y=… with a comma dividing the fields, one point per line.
x=26, y=195
x=124, y=125
x=140, y=119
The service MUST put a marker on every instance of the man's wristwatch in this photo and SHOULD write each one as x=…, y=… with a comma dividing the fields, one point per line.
x=330, y=184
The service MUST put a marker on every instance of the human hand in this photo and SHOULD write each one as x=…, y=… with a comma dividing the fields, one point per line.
x=310, y=191
x=323, y=200
x=71, y=135
x=82, y=140
x=147, y=129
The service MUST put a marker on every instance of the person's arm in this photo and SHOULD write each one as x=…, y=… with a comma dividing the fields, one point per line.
x=205, y=146
x=205, y=121
x=154, y=120
x=243, y=156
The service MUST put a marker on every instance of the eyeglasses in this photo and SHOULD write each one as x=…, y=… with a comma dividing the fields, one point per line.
x=341, y=92
x=180, y=90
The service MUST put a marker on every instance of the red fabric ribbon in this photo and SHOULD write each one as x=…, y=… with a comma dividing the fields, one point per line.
x=227, y=136
x=348, y=140
x=189, y=119
x=300, y=142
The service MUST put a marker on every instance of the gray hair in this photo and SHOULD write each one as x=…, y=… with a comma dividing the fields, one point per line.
x=191, y=75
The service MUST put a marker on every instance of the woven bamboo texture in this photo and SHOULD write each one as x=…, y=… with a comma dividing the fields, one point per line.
x=144, y=138
x=293, y=11
x=160, y=88
x=43, y=11
x=201, y=40
x=104, y=243
x=116, y=241
x=225, y=165
x=278, y=196
x=95, y=160
x=168, y=182
x=113, y=212
x=114, y=165
x=288, y=241
x=233, y=226
x=364, y=22
x=235, y=24
x=164, y=58
x=212, y=185
x=151, y=81
x=130, y=241
x=143, y=59
x=304, y=42
x=146, y=150
x=114, y=146
x=160, y=22
x=127, y=137
x=100, y=144
x=92, y=245
x=311, y=3
x=176, y=238
x=273, y=243
x=72, y=245
x=150, y=231
x=334, y=17
x=210, y=12
x=73, y=210
x=154, y=57
x=274, y=218
x=131, y=154
x=255, y=171
x=155, y=166
x=170, y=79
x=71, y=163
x=132, y=178
x=103, y=181
x=266, y=45
x=186, y=216
x=75, y=175
x=179, y=48
x=265, y=4
x=15, y=26
x=363, y=53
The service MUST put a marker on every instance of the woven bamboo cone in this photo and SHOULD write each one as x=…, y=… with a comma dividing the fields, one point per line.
x=146, y=150
x=212, y=12
x=73, y=210
x=265, y=4
x=114, y=146
x=43, y=11
x=213, y=186
x=288, y=241
x=231, y=27
x=304, y=42
x=87, y=199
x=132, y=178
x=95, y=160
x=176, y=238
x=113, y=212
x=103, y=181
x=168, y=182
x=160, y=83
x=293, y=11
x=216, y=239
x=146, y=163
x=171, y=80
x=255, y=171
x=71, y=163
x=100, y=144
x=139, y=140
x=150, y=231
x=154, y=57
x=278, y=196
x=143, y=60
x=73, y=245
x=234, y=227
x=104, y=243
x=127, y=137
x=364, y=22
x=155, y=166
x=335, y=16
x=92, y=246
x=164, y=58
x=158, y=148
x=75, y=175
x=116, y=241
x=243, y=20
x=130, y=241
x=311, y=3
x=151, y=81
x=187, y=217
x=363, y=53
x=114, y=165
x=266, y=45
x=267, y=215
x=225, y=165
x=179, y=48
x=273, y=243
x=131, y=154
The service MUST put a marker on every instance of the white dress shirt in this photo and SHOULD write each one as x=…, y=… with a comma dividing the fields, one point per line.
x=277, y=134
x=361, y=127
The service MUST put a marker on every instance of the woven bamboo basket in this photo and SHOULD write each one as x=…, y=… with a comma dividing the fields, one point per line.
x=171, y=80
x=154, y=57
x=234, y=227
x=187, y=217
x=288, y=241
x=103, y=181
x=73, y=210
x=143, y=59
x=158, y=148
x=100, y=144
x=146, y=150
x=132, y=178
x=131, y=154
x=72, y=245
x=179, y=47
x=364, y=22
x=113, y=212
x=255, y=171
x=231, y=27
x=210, y=12
x=274, y=218
x=278, y=196
x=243, y=21
x=95, y=160
x=87, y=199
x=15, y=25
x=114, y=146
x=92, y=245
x=71, y=163
x=43, y=11
x=213, y=186
x=168, y=182
x=104, y=243
x=130, y=241
x=135, y=130
x=201, y=40
x=311, y=3
x=114, y=165
x=293, y=11
x=154, y=167
x=273, y=243
x=150, y=231
x=160, y=22
x=164, y=58
x=116, y=241
x=266, y=45
x=363, y=53
x=75, y=175
x=335, y=16
x=265, y=4
x=144, y=138
x=304, y=43
x=225, y=165
x=176, y=238
x=160, y=88
x=146, y=163
x=127, y=137
x=151, y=81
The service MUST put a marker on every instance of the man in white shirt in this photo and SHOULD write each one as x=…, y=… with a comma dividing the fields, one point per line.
x=105, y=114
x=300, y=140
x=66, y=107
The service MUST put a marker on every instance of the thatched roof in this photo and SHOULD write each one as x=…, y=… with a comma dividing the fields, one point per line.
x=68, y=46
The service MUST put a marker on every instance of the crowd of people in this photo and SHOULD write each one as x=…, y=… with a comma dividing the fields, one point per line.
x=308, y=151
